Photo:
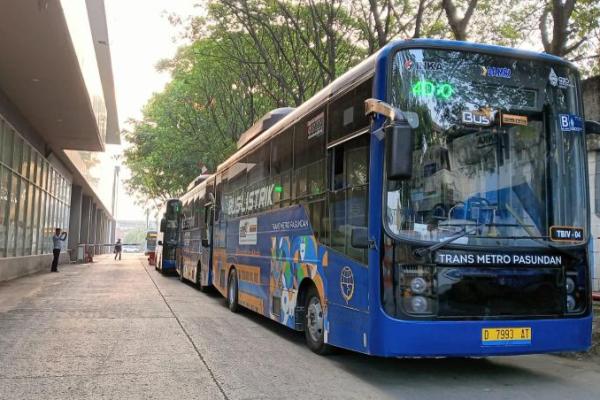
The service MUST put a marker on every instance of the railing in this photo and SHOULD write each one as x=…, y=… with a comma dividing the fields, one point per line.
x=86, y=252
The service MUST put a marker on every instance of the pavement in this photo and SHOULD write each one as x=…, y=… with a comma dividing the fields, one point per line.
x=121, y=330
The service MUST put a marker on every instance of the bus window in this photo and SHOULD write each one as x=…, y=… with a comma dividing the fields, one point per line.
x=258, y=165
x=348, y=199
x=309, y=155
x=281, y=165
x=347, y=112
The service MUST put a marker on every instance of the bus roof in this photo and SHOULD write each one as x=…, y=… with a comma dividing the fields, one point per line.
x=366, y=69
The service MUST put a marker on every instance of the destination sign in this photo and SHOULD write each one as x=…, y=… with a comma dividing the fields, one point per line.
x=455, y=258
x=566, y=234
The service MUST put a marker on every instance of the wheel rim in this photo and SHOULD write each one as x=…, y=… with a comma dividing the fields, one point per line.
x=314, y=319
x=232, y=290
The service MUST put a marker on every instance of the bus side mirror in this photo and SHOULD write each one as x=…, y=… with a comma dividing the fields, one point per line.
x=359, y=238
x=204, y=242
x=399, y=140
x=163, y=224
x=160, y=243
x=592, y=128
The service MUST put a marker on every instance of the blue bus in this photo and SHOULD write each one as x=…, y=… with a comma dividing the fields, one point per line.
x=432, y=201
x=196, y=232
x=168, y=237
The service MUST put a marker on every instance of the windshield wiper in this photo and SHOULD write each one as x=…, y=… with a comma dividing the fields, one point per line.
x=540, y=240
x=420, y=252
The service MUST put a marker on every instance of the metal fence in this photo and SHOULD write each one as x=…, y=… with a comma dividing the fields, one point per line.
x=86, y=252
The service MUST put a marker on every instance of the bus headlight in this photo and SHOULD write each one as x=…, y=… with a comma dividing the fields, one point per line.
x=571, y=303
x=570, y=285
x=416, y=289
x=418, y=285
x=419, y=304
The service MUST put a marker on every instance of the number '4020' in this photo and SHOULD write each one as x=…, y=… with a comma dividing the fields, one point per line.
x=426, y=88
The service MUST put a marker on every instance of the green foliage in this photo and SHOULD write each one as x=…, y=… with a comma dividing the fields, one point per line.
x=247, y=57
x=135, y=236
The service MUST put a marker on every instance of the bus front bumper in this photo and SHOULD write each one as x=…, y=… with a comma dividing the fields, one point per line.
x=464, y=338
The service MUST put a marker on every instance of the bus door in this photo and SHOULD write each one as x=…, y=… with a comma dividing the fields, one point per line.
x=347, y=270
x=207, y=244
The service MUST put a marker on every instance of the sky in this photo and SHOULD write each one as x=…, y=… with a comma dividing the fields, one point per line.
x=140, y=35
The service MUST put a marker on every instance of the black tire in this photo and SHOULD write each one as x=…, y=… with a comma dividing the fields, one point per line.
x=199, y=278
x=232, y=292
x=314, y=330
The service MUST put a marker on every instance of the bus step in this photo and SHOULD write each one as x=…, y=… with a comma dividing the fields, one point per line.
x=299, y=318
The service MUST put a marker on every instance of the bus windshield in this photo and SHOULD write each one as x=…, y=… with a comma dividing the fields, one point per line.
x=498, y=153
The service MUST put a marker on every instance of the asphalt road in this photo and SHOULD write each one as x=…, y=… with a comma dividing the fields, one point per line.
x=121, y=330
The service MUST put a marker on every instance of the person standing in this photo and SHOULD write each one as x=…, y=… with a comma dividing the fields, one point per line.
x=118, y=249
x=57, y=240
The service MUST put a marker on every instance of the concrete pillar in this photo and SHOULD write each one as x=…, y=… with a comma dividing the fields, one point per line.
x=113, y=231
x=86, y=209
x=591, y=100
x=93, y=225
x=75, y=220
x=98, y=234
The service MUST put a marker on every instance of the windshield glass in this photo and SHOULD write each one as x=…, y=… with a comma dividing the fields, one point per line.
x=499, y=150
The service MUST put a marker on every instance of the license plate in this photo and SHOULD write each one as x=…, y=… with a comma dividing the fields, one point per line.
x=505, y=336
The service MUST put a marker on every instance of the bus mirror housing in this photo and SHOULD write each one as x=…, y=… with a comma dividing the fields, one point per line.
x=592, y=128
x=359, y=238
x=205, y=243
x=163, y=224
x=399, y=144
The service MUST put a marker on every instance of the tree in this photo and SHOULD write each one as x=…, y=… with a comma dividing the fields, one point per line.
x=571, y=28
x=247, y=57
x=458, y=24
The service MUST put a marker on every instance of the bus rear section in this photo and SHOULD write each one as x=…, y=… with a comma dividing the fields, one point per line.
x=194, y=265
x=150, y=247
x=168, y=237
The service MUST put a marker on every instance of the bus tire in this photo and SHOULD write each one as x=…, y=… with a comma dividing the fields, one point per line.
x=314, y=319
x=199, y=278
x=232, y=292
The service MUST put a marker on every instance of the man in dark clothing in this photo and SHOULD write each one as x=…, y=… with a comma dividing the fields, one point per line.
x=118, y=249
x=57, y=247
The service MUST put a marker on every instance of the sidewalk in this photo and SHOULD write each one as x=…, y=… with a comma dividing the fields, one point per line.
x=95, y=330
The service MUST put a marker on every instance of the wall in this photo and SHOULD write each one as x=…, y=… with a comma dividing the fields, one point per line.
x=15, y=267
x=591, y=101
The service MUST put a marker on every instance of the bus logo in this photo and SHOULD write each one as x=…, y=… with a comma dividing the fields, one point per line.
x=347, y=283
x=481, y=118
x=248, y=231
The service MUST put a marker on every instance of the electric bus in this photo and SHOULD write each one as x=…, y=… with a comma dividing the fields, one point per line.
x=150, y=246
x=168, y=237
x=196, y=232
x=432, y=201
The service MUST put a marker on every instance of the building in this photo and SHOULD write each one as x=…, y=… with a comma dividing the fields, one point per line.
x=591, y=101
x=57, y=109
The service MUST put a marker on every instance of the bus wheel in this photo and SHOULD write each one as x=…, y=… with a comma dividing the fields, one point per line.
x=232, y=292
x=314, y=329
x=199, y=278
